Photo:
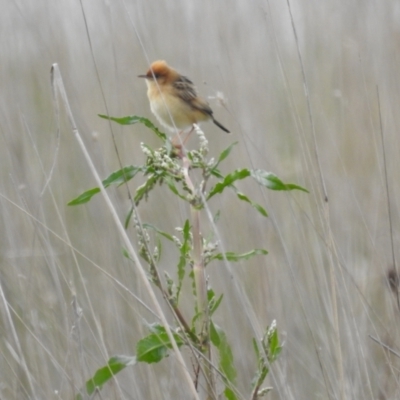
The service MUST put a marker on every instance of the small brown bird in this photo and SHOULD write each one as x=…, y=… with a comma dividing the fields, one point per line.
x=174, y=99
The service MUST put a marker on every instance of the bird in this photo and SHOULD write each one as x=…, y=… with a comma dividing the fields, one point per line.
x=174, y=100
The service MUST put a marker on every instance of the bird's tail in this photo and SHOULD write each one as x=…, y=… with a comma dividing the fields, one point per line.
x=220, y=125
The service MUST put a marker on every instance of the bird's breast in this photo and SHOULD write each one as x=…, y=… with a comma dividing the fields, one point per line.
x=171, y=110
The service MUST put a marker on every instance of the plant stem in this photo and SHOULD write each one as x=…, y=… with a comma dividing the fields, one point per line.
x=198, y=267
x=199, y=273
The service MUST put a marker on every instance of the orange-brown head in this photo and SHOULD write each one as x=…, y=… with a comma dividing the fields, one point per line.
x=160, y=71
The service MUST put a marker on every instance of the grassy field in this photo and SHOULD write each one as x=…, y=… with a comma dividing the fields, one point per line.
x=310, y=92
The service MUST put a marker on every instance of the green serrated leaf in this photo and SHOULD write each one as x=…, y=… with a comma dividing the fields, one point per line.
x=231, y=256
x=102, y=375
x=271, y=181
x=156, y=328
x=123, y=175
x=259, y=208
x=151, y=350
x=228, y=181
x=84, y=197
x=226, y=364
x=116, y=178
x=154, y=347
x=134, y=119
x=129, y=120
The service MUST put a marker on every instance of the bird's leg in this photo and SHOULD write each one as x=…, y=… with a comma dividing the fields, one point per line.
x=177, y=145
x=188, y=135
x=178, y=142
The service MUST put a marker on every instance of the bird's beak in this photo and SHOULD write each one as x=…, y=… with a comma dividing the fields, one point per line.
x=142, y=76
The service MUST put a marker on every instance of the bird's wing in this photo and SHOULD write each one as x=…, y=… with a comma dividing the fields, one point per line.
x=185, y=89
x=188, y=93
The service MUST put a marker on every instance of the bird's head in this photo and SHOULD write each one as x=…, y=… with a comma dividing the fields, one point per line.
x=159, y=71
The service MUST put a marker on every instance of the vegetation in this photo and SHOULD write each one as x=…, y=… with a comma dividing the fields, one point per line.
x=188, y=174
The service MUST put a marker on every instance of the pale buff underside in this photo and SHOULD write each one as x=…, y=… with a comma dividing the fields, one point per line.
x=171, y=111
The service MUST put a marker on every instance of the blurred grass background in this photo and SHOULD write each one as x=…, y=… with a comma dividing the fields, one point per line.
x=68, y=317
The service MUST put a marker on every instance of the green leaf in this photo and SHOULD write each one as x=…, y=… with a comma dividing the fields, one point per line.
x=262, y=368
x=116, y=178
x=272, y=349
x=128, y=217
x=121, y=176
x=216, y=172
x=216, y=304
x=143, y=190
x=154, y=347
x=261, y=374
x=230, y=256
x=84, y=197
x=115, y=364
x=224, y=154
x=256, y=349
x=226, y=365
x=229, y=394
x=274, y=346
x=210, y=294
x=259, y=208
x=271, y=181
x=159, y=231
x=173, y=188
x=134, y=119
x=184, y=251
x=126, y=254
x=228, y=181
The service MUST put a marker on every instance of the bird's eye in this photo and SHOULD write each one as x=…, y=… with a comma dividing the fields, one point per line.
x=153, y=75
